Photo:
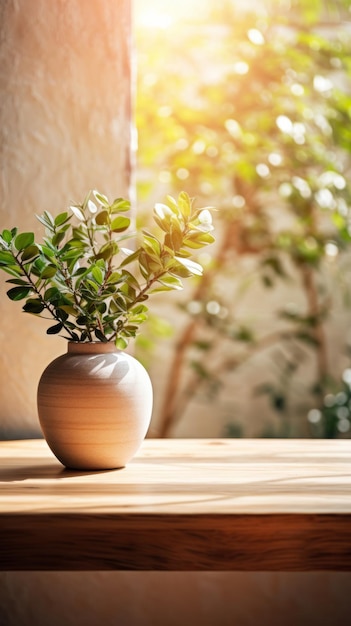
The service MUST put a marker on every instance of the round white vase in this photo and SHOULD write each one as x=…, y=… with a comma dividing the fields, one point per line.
x=94, y=406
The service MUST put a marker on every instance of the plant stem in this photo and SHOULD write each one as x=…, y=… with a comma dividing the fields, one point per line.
x=48, y=307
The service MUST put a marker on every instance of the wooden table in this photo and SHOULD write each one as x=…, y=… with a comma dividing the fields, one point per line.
x=186, y=504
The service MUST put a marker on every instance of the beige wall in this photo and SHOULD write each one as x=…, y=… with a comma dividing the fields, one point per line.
x=64, y=129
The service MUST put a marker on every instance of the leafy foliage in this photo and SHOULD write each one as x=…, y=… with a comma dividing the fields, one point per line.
x=80, y=275
x=256, y=115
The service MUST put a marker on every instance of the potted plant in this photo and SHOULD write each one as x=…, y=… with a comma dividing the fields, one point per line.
x=95, y=401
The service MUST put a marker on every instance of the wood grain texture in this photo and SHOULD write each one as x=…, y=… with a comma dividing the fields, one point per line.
x=281, y=505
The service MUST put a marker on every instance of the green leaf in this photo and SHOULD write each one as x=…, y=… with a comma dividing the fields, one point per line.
x=52, y=294
x=184, y=204
x=94, y=287
x=179, y=270
x=119, y=304
x=54, y=330
x=140, y=309
x=70, y=254
x=97, y=274
x=114, y=278
x=161, y=288
x=102, y=308
x=6, y=235
x=152, y=243
x=176, y=235
x=130, y=257
x=171, y=281
x=198, y=240
x=24, y=240
x=121, y=343
x=6, y=258
x=48, y=272
x=99, y=335
x=130, y=279
x=62, y=218
x=128, y=291
x=38, y=266
x=68, y=309
x=13, y=270
x=100, y=197
x=131, y=329
x=70, y=325
x=172, y=204
x=120, y=224
x=82, y=320
x=19, y=293
x=73, y=243
x=34, y=305
x=120, y=205
x=48, y=251
x=162, y=223
x=47, y=220
x=62, y=314
x=107, y=251
x=81, y=271
x=191, y=266
x=58, y=237
x=102, y=218
x=18, y=281
x=30, y=253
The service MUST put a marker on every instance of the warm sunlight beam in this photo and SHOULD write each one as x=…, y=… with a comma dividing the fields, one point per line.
x=161, y=14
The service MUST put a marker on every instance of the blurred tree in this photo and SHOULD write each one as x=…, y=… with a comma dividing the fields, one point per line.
x=250, y=111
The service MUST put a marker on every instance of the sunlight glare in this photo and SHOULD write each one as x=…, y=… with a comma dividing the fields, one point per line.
x=158, y=14
x=153, y=18
x=256, y=37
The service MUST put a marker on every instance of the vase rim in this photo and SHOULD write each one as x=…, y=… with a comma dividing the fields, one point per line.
x=91, y=347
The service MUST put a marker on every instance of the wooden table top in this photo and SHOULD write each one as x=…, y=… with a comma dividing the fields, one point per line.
x=181, y=504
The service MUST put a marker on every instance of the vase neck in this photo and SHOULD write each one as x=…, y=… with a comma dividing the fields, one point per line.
x=91, y=347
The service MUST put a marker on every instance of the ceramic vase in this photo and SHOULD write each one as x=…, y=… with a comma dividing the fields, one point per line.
x=94, y=406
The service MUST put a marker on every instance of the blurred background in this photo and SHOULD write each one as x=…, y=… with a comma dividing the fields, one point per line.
x=247, y=107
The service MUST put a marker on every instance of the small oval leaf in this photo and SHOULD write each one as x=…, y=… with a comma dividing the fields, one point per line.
x=102, y=218
x=30, y=253
x=120, y=224
x=101, y=197
x=97, y=275
x=62, y=218
x=24, y=240
x=18, y=293
x=6, y=258
x=34, y=305
x=49, y=271
x=53, y=330
x=6, y=235
x=77, y=212
x=52, y=294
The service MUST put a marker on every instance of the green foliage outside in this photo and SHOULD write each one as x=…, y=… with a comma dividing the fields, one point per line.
x=251, y=111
